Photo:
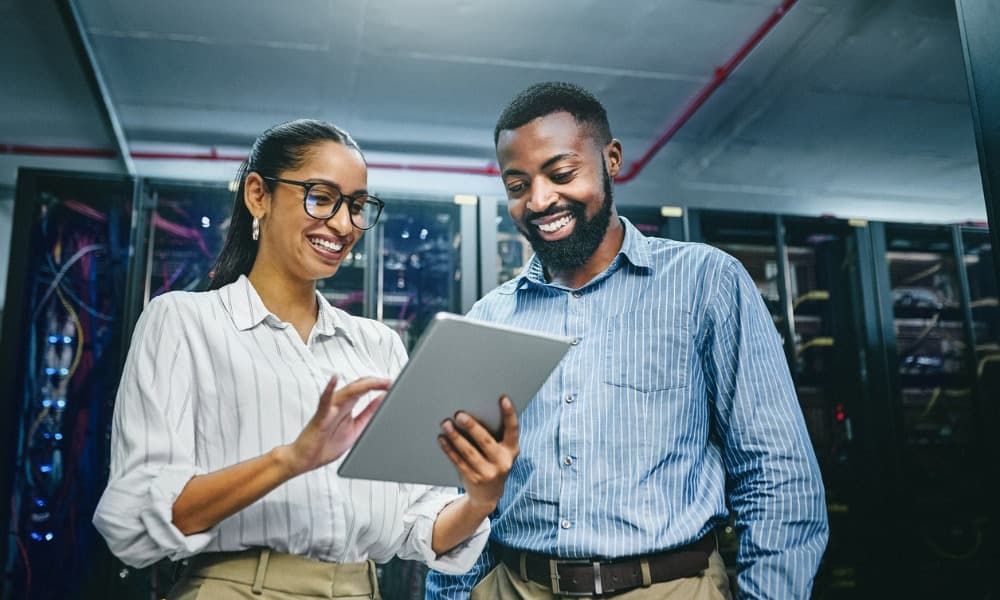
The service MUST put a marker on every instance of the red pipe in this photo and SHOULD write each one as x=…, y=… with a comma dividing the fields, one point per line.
x=721, y=74
x=719, y=77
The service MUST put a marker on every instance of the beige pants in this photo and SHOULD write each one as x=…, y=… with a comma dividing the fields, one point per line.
x=712, y=584
x=267, y=575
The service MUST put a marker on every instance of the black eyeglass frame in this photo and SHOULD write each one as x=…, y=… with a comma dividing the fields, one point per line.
x=308, y=185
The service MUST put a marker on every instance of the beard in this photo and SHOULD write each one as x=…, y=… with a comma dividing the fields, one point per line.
x=573, y=251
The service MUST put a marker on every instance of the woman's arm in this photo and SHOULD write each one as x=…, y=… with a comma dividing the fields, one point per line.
x=483, y=464
x=208, y=499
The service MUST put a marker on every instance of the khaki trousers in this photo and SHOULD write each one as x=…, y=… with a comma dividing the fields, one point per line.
x=712, y=584
x=265, y=575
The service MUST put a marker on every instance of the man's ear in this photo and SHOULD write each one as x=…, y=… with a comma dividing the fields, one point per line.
x=256, y=196
x=613, y=157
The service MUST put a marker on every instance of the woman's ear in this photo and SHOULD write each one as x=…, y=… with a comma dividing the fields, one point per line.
x=256, y=196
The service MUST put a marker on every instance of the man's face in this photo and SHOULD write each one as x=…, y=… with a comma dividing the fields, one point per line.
x=558, y=188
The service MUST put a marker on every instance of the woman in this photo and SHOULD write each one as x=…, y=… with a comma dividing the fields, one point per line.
x=219, y=450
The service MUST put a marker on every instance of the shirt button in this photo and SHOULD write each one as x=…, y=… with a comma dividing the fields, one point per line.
x=577, y=294
x=575, y=341
x=570, y=398
x=568, y=461
x=564, y=523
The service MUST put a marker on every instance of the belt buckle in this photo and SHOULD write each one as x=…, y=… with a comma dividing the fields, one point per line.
x=554, y=577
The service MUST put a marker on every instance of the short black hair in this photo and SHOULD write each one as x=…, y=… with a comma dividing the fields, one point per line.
x=543, y=99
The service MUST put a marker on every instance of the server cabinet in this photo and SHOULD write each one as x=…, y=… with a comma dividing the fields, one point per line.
x=806, y=272
x=657, y=221
x=419, y=263
x=943, y=527
x=63, y=343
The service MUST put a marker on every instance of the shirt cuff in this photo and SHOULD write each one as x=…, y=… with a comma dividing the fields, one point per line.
x=461, y=558
x=158, y=517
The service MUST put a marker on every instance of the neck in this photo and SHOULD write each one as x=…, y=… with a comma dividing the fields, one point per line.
x=290, y=299
x=600, y=260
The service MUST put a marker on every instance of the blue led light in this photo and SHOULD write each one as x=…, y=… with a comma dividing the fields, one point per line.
x=36, y=536
x=49, y=536
x=67, y=339
x=58, y=436
x=45, y=468
x=39, y=503
x=46, y=402
x=53, y=339
x=51, y=370
x=61, y=403
x=63, y=372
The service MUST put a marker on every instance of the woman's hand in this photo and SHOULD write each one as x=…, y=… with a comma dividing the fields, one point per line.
x=332, y=430
x=482, y=462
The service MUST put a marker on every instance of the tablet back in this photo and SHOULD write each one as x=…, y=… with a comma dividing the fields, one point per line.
x=459, y=364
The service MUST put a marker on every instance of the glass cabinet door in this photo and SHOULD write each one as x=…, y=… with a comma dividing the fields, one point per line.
x=942, y=492
x=420, y=264
x=187, y=228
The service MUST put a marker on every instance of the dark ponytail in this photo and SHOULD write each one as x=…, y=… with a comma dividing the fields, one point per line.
x=280, y=148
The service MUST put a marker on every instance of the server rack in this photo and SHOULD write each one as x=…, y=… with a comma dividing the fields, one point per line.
x=945, y=523
x=806, y=272
x=63, y=344
x=658, y=221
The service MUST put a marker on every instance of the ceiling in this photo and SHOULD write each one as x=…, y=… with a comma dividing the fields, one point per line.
x=848, y=107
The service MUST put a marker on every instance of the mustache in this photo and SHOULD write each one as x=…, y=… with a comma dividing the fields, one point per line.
x=573, y=209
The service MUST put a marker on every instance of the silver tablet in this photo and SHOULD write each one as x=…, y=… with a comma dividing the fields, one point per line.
x=459, y=364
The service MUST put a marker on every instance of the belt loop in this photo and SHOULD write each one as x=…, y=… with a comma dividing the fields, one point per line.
x=258, y=578
x=373, y=578
x=524, y=566
x=647, y=578
x=554, y=576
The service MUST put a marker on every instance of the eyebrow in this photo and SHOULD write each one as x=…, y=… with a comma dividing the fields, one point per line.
x=545, y=165
x=336, y=185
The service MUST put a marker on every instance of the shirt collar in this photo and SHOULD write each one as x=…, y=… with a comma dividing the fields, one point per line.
x=634, y=249
x=247, y=310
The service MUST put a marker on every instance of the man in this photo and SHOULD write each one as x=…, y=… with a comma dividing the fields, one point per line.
x=674, y=398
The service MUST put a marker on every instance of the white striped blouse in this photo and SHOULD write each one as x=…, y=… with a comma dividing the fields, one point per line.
x=214, y=378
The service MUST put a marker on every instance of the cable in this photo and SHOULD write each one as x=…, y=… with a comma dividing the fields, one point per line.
x=983, y=362
x=79, y=334
x=985, y=302
x=813, y=295
x=62, y=273
x=816, y=342
x=917, y=277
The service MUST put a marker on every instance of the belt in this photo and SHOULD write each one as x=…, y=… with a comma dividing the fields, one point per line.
x=597, y=577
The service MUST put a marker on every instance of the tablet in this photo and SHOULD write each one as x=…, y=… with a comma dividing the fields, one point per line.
x=458, y=364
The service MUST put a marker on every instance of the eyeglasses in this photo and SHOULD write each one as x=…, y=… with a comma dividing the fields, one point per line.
x=323, y=200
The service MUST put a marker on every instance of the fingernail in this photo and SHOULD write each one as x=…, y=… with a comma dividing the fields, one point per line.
x=462, y=418
x=447, y=426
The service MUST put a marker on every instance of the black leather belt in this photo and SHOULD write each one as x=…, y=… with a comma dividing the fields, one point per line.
x=603, y=577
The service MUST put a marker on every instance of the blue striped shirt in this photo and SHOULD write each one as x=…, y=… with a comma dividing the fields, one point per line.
x=676, y=387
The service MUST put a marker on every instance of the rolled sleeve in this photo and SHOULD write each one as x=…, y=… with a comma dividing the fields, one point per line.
x=152, y=441
x=418, y=521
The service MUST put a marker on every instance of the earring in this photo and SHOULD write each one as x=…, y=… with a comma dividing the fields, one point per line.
x=255, y=229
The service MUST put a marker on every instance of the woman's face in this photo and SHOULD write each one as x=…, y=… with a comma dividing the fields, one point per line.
x=293, y=241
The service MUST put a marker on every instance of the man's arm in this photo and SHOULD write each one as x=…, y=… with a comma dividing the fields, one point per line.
x=775, y=485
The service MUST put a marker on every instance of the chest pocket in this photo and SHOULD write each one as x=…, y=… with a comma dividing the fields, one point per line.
x=649, y=351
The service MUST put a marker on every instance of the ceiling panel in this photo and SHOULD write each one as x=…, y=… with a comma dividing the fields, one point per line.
x=309, y=23
x=844, y=122
x=670, y=38
x=47, y=98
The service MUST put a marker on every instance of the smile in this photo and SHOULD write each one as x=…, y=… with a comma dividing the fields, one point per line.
x=556, y=225
x=325, y=244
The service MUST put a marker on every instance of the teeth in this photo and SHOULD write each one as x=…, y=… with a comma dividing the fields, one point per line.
x=320, y=243
x=555, y=225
